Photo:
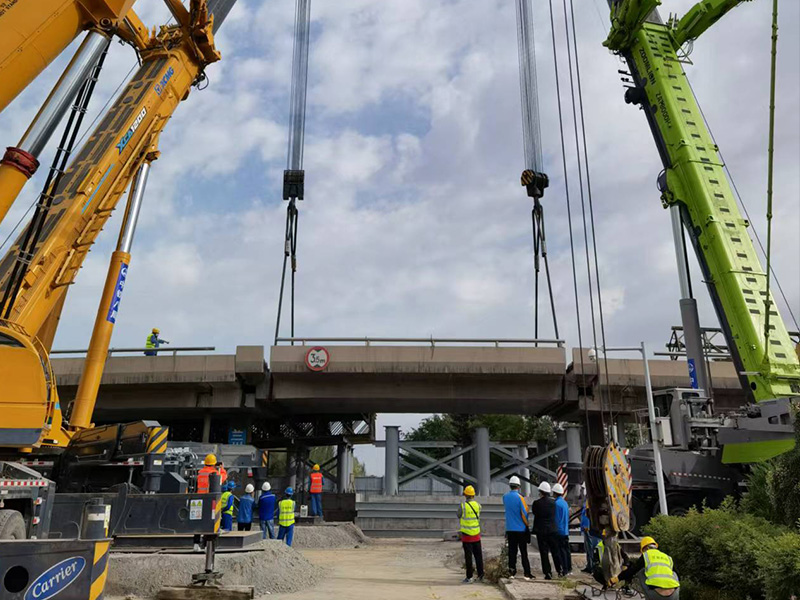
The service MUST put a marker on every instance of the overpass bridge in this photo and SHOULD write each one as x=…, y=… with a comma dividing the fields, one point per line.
x=323, y=389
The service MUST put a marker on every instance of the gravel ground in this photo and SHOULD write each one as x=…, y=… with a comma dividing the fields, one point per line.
x=272, y=568
x=334, y=535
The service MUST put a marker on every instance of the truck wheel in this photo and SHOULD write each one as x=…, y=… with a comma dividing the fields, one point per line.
x=12, y=525
x=640, y=515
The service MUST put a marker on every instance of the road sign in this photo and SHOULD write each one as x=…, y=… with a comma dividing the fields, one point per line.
x=237, y=437
x=317, y=358
x=693, y=374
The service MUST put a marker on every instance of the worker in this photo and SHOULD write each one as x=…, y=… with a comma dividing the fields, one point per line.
x=469, y=514
x=654, y=572
x=590, y=538
x=153, y=342
x=286, y=517
x=210, y=465
x=315, y=489
x=517, y=532
x=597, y=561
x=266, y=511
x=244, y=518
x=546, y=530
x=562, y=523
x=226, y=500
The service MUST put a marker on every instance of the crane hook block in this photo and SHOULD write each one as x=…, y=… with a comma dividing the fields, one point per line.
x=293, y=183
x=534, y=182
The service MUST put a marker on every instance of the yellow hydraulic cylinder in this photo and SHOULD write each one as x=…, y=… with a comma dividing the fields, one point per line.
x=95, y=362
x=13, y=177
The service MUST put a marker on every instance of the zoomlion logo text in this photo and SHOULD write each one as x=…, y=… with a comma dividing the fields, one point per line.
x=129, y=134
x=159, y=87
x=56, y=579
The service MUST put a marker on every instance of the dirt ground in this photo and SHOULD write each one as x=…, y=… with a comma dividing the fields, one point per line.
x=392, y=570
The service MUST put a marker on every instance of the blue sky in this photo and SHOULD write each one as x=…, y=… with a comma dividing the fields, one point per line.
x=414, y=222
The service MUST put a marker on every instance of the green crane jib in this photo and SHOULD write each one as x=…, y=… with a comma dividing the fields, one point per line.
x=695, y=180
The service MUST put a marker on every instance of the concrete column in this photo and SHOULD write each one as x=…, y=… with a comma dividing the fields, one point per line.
x=482, y=465
x=522, y=452
x=391, y=474
x=291, y=467
x=620, y=429
x=206, y=428
x=343, y=468
x=573, y=436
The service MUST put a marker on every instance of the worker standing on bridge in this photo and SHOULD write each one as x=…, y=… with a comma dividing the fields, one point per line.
x=227, y=507
x=654, y=572
x=469, y=513
x=244, y=518
x=315, y=489
x=286, y=517
x=517, y=532
x=266, y=511
x=153, y=342
x=562, y=522
x=546, y=530
x=210, y=465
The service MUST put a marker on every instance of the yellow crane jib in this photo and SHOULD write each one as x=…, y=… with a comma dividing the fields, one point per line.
x=122, y=145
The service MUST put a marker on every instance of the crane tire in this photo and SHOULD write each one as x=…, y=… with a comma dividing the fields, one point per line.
x=12, y=525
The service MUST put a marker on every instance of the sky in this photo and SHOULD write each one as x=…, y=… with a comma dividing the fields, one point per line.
x=414, y=222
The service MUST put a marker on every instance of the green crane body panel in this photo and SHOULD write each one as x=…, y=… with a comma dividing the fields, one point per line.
x=694, y=178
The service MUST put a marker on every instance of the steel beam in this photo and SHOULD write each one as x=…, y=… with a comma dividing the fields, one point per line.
x=391, y=485
x=438, y=464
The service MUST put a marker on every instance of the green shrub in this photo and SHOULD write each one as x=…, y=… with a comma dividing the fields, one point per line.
x=727, y=554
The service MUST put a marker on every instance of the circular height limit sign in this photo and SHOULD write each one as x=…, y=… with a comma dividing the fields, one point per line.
x=317, y=358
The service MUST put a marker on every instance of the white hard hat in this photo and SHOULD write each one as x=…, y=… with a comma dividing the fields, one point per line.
x=249, y=488
x=544, y=487
x=265, y=487
x=558, y=489
x=514, y=480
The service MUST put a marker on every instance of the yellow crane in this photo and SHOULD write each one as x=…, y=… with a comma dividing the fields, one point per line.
x=36, y=272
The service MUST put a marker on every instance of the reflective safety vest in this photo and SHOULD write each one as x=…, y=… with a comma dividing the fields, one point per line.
x=286, y=512
x=470, y=514
x=151, y=341
x=203, y=475
x=224, y=499
x=316, y=482
x=658, y=570
x=600, y=550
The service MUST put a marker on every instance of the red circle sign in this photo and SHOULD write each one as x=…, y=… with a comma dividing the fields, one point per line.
x=317, y=358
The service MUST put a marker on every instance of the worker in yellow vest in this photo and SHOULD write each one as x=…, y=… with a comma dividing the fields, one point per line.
x=227, y=506
x=653, y=572
x=153, y=341
x=469, y=515
x=286, y=517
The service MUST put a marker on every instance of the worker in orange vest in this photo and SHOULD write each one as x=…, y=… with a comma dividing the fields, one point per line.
x=211, y=466
x=315, y=488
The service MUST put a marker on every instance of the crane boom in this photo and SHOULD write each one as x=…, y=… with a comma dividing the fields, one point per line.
x=694, y=179
x=123, y=141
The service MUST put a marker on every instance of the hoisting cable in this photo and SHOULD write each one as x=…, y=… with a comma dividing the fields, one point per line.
x=533, y=177
x=770, y=157
x=591, y=207
x=33, y=232
x=569, y=219
x=294, y=175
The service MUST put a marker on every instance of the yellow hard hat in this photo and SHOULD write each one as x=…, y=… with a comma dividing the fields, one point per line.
x=156, y=330
x=469, y=491
x=210, y=460
x=647, y=541
x=316, y=467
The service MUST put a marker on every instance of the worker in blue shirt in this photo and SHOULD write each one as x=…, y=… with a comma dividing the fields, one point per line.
x=517, y=531
x=266, y=511
x=590, y=538
x=244, y=518
x=227, y=506
x=153, y=341
x=562, y=521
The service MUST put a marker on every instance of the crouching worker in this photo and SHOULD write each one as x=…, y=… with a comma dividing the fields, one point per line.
x=653, y=572
x=470, y=529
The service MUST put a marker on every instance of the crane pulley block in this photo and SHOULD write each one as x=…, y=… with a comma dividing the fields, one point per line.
x=294, y=184
x=535, y=183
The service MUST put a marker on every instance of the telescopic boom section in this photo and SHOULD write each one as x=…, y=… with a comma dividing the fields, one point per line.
x=124, y=140
x=694, y=179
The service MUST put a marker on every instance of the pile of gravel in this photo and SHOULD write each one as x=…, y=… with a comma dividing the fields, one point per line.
x=272, y=567
x=333, y=535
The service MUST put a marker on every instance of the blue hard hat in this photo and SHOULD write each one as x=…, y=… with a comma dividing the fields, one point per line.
x=289, y=491
x=231, y=485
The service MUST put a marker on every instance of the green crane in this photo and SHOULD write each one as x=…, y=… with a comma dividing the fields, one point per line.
x=695, y=186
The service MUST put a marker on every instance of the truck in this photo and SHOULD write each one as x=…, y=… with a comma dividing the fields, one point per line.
x=705, y=455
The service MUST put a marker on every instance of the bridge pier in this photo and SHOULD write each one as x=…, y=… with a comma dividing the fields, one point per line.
x=344, y=468
x=391, y=487
x=522, y=452
x=483, y=471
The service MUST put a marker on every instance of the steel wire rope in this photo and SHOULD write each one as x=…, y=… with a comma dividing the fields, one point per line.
x=583, y=211
x=569, y=217
x=591, y=207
